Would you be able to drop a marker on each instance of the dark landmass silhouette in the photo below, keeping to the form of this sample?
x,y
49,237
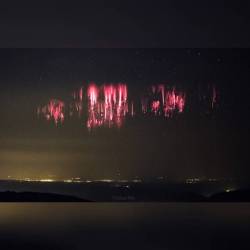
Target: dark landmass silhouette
x,y
171,196
232,196
241,195
10,196
184,197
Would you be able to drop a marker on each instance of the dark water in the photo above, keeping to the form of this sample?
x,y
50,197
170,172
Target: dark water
x,y
124,226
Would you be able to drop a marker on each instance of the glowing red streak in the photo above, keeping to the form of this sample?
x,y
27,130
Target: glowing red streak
x,y
214,97
164,101
93,106
56,110
180,102
155,106
109,102
109,108
53,110
115,104
144,105
132,109
161,89
173,101
80,94
153,89
92,94
77,104
108,105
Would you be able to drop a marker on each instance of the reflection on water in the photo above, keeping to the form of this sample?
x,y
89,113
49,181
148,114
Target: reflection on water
x,y
124,226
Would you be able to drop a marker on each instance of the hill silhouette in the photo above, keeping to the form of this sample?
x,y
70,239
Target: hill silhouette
x,y
232,196
10,196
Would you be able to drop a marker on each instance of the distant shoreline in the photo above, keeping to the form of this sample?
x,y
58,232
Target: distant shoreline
x,y
11,196
234,196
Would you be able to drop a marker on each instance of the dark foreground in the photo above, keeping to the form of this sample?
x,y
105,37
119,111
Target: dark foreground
x,y
11,196
170,196
125,226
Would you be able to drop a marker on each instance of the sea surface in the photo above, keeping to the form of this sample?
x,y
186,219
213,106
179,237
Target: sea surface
x,y
124,226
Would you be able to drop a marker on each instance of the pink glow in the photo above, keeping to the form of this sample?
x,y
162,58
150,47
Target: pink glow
x,y
110,108
153,89
164,101
174,101
132,109
180,102
77,104
81,93
53,110
93,106
161,89
144,105
214,97
109,105
92,94
155,107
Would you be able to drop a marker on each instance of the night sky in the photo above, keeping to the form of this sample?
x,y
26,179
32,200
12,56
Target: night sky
x,y
167,24
190,45
200,142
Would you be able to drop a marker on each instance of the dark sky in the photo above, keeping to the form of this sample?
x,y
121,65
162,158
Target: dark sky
x,y
139,25
199,142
